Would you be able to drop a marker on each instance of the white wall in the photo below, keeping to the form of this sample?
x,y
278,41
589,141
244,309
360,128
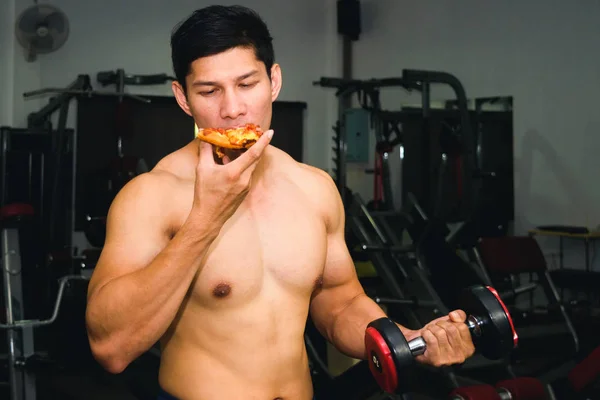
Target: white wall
x,y
539,52
135,35
7,12
21,76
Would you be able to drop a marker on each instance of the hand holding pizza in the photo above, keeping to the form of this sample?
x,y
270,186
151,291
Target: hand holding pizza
x,y
220,189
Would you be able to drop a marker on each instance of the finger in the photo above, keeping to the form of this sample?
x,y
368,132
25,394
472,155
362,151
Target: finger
x,y
431,342
458,316
205,153
444,348
226,160
439,319
457,344
437,347
467,339
252,155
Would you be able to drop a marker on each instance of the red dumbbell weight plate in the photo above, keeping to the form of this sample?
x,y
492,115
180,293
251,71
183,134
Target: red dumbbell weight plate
x,y
388,353
380,361
497,336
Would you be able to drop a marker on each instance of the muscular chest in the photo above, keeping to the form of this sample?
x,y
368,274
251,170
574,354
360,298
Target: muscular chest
x,y
274,242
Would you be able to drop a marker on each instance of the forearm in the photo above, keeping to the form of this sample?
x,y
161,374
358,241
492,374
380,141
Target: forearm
x,y
349,326
127,315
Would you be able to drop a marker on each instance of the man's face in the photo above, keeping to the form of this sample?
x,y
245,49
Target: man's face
x,y
230,89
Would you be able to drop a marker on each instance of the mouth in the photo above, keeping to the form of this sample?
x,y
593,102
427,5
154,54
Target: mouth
x,y
236,125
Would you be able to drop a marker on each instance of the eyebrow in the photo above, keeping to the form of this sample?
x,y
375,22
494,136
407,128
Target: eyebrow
x,y
239,78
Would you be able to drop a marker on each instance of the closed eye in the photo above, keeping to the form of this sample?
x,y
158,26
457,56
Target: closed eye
x,y
207,92
248,85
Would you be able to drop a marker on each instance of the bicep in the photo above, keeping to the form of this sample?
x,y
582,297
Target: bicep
x,y
135,233
340,280
340,284
339,271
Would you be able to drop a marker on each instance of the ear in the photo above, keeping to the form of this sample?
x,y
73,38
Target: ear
x,y
181,97
276,81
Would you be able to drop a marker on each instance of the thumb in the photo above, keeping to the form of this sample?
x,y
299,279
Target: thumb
x,y
457,316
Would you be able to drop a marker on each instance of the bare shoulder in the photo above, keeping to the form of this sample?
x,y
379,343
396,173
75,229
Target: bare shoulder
x,y
156,187
312,180
319,189
317,181
151,195
144,190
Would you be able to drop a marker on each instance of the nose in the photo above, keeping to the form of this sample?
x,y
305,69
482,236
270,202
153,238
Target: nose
x,y
232,106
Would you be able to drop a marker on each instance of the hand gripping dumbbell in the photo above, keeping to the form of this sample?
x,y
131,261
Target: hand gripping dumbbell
x,y
488,319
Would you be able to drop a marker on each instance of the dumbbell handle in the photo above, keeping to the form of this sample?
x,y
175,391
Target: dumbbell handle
x,y
418,346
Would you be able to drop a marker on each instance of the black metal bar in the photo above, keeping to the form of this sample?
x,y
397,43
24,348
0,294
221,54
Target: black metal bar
x,y
56,176
383,270
509,294
365,212
341,150
391,249
552,294
435,77
407,302
357,84
38,118
106,78
425,159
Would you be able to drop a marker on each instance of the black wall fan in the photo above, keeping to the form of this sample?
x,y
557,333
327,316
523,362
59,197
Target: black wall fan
x,y
41,29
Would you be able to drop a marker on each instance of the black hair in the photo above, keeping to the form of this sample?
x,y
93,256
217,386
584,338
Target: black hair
x,y
215,29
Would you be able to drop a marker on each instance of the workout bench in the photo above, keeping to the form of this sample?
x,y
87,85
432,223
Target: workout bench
x,y
580,383
503,258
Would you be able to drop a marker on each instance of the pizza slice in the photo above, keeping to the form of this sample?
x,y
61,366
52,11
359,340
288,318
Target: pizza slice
x,y
241,137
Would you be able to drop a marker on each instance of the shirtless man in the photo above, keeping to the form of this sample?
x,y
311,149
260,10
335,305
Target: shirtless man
x,y
224,263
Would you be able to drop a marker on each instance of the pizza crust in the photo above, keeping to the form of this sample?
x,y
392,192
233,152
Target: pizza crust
x,y
242,137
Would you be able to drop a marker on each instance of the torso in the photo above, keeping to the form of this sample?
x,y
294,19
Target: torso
x,y
239,332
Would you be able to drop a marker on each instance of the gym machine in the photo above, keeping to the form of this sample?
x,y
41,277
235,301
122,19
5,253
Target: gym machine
x,y
422,280
384,122
22,358
387,123
121,168
407,289
48,188
463,207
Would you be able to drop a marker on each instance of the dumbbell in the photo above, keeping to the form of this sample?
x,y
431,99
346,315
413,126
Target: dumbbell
x,y
488,319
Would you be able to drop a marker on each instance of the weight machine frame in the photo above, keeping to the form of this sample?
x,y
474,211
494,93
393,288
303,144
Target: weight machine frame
x,y
20,331
409,290
80,87
368,93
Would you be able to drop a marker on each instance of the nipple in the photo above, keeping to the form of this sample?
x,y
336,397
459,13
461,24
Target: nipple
x,y
221,290
318,282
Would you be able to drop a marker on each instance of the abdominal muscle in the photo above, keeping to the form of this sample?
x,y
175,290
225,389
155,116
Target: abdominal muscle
x,y
249,353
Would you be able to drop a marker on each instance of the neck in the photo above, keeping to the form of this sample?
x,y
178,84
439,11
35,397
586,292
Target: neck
x,y
264,162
